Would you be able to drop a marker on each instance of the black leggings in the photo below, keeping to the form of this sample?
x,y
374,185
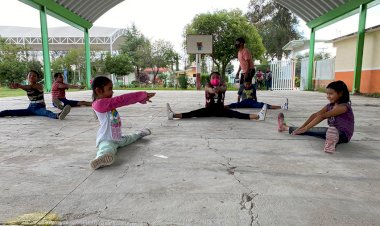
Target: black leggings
x,y
217,112
320,132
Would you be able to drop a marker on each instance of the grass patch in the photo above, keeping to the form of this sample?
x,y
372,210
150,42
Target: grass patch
x,y
374,95
7,92
321,89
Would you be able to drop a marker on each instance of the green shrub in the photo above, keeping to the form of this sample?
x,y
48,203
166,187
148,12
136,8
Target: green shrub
x,y
134,84
205,78
182,80
297,81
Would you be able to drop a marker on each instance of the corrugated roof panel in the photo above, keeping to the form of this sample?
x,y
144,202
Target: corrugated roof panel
x,y
89,10
66,31
309,10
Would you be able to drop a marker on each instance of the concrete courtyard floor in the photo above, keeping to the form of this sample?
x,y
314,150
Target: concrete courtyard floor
x,y
205,171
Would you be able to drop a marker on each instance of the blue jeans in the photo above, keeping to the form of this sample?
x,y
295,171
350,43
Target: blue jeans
x,y
268,84
320,132
33,109
248,103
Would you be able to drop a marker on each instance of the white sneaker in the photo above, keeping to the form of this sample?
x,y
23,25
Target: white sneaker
x,y
262,114
285,106
169,112
145,132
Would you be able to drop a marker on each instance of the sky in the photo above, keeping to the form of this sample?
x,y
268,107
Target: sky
x,y
166,19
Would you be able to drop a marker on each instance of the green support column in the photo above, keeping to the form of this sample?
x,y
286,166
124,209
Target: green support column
x,y
45,48
359,49
88,57
310,68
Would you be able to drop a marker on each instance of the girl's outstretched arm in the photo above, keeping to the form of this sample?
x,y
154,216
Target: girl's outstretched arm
x,y
312,117
26,87
108,104
322,115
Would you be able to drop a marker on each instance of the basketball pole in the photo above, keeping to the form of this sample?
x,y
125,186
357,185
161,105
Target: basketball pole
x,y
197,71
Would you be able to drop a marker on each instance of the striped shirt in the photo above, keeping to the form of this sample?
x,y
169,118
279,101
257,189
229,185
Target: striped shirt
x,y
57,92
35,95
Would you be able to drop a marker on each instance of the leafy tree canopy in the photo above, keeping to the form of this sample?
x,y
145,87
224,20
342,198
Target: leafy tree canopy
x,y
13,63
225,27
163,55
276,25
119,64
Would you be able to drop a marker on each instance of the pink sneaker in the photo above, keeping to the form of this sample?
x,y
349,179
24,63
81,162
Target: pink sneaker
x,y
332,138
280,122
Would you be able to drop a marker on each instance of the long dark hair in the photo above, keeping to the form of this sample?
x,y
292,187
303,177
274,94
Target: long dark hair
x,y
215,73
34,72
99,82
56,75
340,87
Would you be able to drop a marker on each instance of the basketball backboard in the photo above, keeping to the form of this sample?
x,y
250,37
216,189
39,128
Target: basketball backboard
x,y
199,44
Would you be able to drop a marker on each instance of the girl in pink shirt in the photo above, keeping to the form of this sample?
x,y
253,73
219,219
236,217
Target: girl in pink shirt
x,y
109,136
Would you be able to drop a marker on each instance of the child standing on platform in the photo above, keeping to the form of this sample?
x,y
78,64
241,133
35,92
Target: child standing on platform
x,y
37,106
109,137
58,93
338,113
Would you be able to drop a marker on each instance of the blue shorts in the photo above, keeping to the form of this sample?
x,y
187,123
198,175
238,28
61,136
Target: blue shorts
x,y
72,103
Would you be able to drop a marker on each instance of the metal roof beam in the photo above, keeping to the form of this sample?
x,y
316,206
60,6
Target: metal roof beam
x,y
336,14
60,12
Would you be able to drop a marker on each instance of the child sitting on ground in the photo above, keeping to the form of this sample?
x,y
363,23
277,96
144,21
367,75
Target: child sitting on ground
x,y
215,92
109,137
338,113
58,93
247,94
37,106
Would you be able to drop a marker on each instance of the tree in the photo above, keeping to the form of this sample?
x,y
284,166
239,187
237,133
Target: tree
x,y
137,47
35,65
276,25
225,27
119,64
13,63
144,54
163,55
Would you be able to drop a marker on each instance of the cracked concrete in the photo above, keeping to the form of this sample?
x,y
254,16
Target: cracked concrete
x,y
218,171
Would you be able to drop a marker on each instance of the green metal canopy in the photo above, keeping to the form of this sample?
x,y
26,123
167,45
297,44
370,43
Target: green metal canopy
x,y
320,13
78,13
316,13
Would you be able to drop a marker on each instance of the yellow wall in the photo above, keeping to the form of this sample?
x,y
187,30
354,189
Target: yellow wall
x,y
345,54
345,62
371,54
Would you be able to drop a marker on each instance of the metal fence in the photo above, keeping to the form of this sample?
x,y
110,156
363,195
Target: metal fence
x,y
325,69
283,74
304,78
